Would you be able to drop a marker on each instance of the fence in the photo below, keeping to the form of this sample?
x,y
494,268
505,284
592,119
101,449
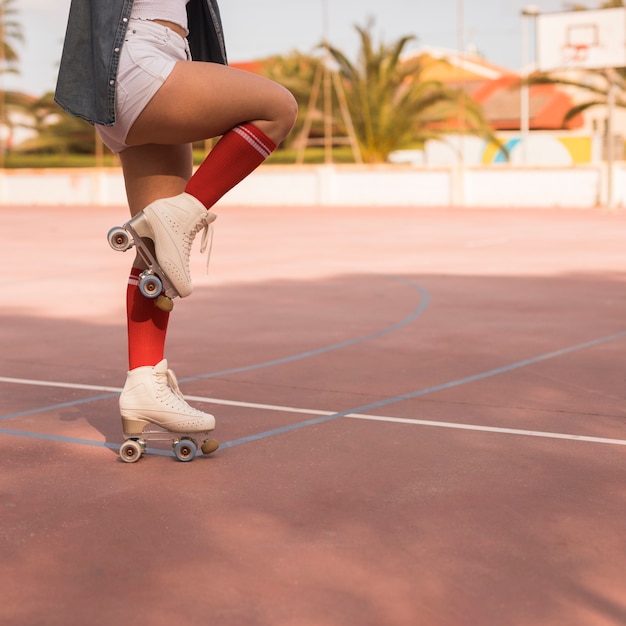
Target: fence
x,y
340,185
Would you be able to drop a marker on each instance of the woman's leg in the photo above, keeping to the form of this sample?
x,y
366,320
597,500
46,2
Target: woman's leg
x,y
151,172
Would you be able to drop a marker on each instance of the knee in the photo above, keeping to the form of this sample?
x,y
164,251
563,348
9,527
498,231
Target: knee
x,y
288,114
280,114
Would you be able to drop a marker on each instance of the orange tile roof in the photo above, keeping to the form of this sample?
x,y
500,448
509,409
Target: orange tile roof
x,y
498,91
501,102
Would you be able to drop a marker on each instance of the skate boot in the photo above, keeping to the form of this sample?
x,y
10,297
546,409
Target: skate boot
x,y
151,397
172,224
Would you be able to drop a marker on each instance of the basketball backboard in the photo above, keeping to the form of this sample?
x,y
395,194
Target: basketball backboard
x,y
581,39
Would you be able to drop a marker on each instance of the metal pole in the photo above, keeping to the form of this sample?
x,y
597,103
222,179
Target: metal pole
x,y
527,13
610,144
459,196
524,95
2,90
460,50
327,88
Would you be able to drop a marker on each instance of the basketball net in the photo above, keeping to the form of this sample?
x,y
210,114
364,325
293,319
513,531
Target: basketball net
x,y
575,53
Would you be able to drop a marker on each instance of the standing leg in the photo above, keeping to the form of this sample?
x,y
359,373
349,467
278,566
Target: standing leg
x,y
154,171
151,393
150,172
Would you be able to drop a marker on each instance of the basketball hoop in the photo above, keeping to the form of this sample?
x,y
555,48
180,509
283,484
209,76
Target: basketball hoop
x,y
581,39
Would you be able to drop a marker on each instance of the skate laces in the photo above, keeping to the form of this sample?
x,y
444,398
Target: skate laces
x,y
204,224
173,384
170,393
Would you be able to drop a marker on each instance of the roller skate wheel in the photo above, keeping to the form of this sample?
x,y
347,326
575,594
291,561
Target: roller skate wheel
x,y
209,446
185,450
164,303
119,239
150,285
131,451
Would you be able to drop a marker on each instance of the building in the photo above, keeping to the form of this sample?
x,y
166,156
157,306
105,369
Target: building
x,y
552,140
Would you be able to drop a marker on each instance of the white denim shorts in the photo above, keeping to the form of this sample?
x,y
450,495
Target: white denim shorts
x,y
148,56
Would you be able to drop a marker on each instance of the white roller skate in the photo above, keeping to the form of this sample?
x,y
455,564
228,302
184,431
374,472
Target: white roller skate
x,y
172,224
151,397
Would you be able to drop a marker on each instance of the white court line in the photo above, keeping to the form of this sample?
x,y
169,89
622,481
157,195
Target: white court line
x,y
376,418
492,429
416,422
48,383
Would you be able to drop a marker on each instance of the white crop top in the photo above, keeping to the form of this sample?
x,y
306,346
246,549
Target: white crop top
x,y
174,11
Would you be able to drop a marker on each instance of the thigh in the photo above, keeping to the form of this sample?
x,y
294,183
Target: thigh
x,y
204,100
155,171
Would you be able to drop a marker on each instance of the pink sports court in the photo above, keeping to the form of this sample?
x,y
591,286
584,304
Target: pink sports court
x,y
422,417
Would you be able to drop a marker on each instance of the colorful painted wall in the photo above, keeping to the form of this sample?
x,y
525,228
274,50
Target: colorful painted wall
x,y
542,150
549,148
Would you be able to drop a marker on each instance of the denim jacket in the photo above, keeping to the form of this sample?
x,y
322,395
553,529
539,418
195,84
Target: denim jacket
x,y
91,52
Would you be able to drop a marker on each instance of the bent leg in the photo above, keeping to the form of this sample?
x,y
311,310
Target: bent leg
x,y
203,100
200,101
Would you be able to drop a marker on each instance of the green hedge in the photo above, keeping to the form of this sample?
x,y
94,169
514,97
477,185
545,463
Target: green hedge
x,y
280,157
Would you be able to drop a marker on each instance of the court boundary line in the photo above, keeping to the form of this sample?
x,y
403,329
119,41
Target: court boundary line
x,y
358,412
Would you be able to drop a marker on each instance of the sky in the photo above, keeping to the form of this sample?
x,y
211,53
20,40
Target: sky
x,y
259,28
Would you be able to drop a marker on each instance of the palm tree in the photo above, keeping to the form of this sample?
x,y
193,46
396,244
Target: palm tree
x,y
393,106
10,33
57,132
16,109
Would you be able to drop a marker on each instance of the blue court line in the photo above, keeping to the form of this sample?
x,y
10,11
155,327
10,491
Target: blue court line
x,y
62,405
77,441
424,302
59,438
422,392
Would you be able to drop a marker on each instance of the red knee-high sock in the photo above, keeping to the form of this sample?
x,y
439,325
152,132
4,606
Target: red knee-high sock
x,y
238,153
147,326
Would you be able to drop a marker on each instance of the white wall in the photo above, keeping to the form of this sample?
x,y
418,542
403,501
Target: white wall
x,y
339,185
